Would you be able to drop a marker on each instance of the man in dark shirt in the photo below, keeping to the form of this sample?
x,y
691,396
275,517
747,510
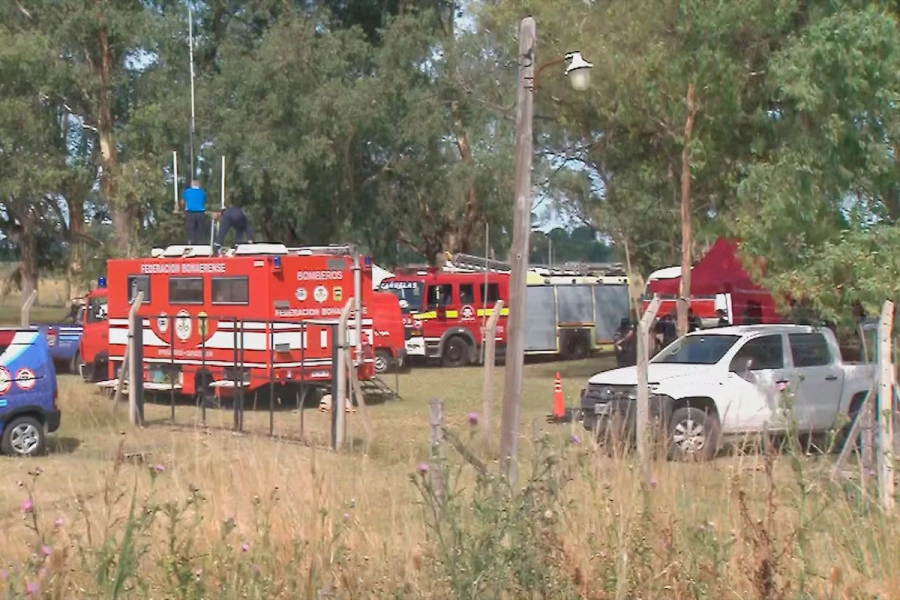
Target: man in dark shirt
x,y
233,217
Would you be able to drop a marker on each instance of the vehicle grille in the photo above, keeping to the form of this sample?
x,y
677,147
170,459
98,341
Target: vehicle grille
x,y
598,393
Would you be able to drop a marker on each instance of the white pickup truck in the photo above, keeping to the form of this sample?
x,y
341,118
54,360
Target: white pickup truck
x,y
734,381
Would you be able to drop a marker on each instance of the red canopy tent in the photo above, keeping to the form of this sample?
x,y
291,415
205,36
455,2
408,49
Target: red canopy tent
x,y
720,271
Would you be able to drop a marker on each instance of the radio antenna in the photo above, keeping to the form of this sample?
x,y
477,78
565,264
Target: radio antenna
x,y
191,55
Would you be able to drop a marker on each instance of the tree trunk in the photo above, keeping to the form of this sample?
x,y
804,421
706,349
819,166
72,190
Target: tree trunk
x,y
75,276
28,269
122,223
685,292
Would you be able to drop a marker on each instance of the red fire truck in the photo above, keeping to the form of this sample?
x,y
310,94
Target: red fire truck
x,y
446,308
204,329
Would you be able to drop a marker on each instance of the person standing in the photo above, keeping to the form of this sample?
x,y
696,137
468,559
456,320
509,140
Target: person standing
x,y
233,217
194,205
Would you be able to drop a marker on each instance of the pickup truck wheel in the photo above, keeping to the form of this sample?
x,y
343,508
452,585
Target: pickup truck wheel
x,y
693,434
23,437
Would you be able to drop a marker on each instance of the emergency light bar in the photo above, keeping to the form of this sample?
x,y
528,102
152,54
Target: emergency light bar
x,y
101,282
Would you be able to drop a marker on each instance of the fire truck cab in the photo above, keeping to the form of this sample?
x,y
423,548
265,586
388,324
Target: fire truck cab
x,y
263,313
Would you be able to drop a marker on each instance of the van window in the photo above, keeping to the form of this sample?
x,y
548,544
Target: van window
x,y
231,290
466,293
810,350
139,283
492,295
186,290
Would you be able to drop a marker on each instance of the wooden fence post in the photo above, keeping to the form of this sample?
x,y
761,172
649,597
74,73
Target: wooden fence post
x,y
339,393
26,309
436,420
884,415
136,367
124,369
490,358
643,389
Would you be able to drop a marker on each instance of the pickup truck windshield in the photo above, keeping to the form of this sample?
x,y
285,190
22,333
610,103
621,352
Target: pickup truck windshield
x,y
697,350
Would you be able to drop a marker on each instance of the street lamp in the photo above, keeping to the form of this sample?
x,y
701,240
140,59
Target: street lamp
x,y
578,72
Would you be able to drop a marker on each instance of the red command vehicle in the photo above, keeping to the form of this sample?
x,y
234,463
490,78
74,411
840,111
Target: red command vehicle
x,y
384,309
267,309
666,283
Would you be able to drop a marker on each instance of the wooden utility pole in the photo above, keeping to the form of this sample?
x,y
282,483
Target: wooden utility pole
x,y
515,344
684,296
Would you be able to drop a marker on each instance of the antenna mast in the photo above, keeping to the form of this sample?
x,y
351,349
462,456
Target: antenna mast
x,y
191,54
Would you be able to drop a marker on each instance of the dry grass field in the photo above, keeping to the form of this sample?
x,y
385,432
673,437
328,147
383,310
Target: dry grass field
x,y
177,510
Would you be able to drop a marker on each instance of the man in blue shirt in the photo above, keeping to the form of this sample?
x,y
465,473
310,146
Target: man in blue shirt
x,y
194,205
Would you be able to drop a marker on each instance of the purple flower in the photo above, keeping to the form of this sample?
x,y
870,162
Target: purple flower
x,y
473,419
28,506
782,386
59,522
346,516
198,573
33,588
4,576
576,439
423,468
245,547
653,482
46,551
159,468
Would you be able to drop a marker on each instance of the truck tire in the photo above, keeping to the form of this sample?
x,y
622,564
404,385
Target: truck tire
x,y
693,434
384,362
456,352
23,436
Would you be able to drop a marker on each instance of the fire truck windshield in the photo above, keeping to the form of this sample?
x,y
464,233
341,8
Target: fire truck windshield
x,y
410,293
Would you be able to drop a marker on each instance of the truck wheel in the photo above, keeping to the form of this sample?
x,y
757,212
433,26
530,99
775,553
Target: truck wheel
x,y
23,436
75,363
693,434
383,361
456,352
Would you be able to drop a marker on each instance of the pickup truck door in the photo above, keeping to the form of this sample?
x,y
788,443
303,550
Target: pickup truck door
x,y
818,380
752,385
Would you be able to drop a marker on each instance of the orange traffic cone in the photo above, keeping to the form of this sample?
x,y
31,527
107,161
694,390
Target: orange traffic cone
x,y
559,401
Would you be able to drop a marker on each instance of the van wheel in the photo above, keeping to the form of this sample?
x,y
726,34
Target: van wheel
x,y
23,437
456,352
693,434
383,361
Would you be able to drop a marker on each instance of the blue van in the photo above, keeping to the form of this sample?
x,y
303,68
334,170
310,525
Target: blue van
x,y
28,392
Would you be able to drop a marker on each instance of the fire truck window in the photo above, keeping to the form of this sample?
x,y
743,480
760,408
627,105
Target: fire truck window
x,y
185,290
97,310
493,293
139,283
230,290
440,295
467,293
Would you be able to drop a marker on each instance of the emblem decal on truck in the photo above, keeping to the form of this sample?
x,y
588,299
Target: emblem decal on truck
x,y
467,313
5,380
301,294
183,325
163,322
338,294
25,379
321,294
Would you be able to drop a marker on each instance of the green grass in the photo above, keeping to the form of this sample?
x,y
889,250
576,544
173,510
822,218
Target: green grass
x,y
166,510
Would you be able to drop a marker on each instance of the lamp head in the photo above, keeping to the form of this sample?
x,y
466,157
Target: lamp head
x,y
579,71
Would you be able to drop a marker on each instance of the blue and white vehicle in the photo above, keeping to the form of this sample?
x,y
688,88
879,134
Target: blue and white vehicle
x,y
64,338
28,392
